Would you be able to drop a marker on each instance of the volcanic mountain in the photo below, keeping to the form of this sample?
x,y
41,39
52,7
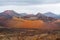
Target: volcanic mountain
x,y
7,15
21,23
11,19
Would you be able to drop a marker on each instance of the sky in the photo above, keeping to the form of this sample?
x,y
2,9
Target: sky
x,y
31,6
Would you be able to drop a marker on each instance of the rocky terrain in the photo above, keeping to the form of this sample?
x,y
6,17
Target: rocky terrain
x,y
15,26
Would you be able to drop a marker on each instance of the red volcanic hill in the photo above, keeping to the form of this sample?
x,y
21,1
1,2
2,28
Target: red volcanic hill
x,y
21,23
11,19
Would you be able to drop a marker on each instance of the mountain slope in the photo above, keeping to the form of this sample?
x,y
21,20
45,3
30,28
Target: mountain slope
x,y
21,23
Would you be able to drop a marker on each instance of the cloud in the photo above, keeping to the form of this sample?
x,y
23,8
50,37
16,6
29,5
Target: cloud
x,y
55,8
27,2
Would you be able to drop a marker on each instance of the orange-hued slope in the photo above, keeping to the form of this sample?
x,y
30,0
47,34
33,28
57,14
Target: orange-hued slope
x,y
21,23
16,22
57,23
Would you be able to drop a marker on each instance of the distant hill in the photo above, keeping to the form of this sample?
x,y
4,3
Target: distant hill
x,y
39,16
13,13
50,14
45,18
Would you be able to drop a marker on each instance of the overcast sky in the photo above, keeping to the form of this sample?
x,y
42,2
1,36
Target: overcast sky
x,y
27,2
31,6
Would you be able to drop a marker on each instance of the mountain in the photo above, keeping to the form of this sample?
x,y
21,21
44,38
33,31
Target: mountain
x,y
23,14
11,13
8,14
11,19
39,16
50,14
58,17
45,18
